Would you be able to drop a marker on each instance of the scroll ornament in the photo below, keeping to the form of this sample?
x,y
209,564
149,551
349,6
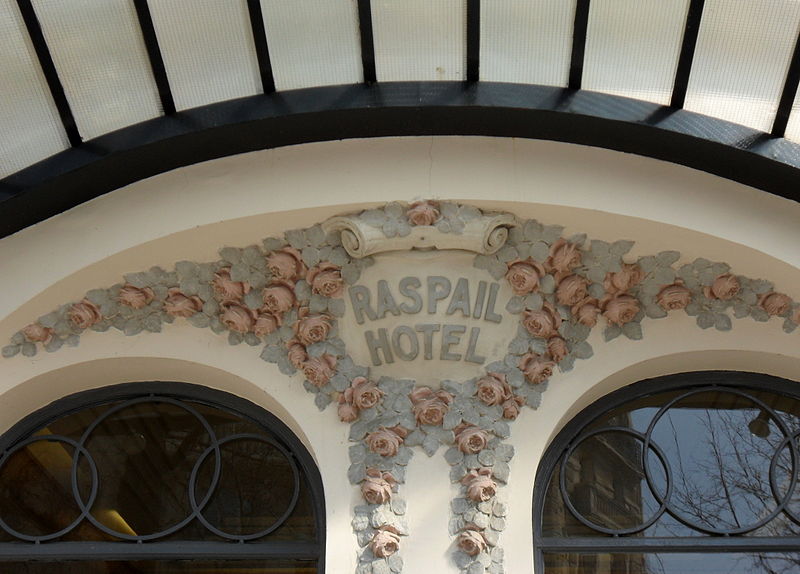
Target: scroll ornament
x,y
286,296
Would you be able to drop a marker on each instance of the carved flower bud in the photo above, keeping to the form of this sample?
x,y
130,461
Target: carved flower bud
x,y
796,316
278,297
471,542
512,406
37,333
265,324
586,311
386,441
471,439
312,329
430,406
422,213
542,322
724,287
326,279
674,297
620,309
286,264
365,394
385,542
227,289
319,370
571,290
346,411
237,317
479,483
177,304
84,314
493,389
523,276
377,488
537,369
135,297
296,353
564,257
775,303
626,278
557,348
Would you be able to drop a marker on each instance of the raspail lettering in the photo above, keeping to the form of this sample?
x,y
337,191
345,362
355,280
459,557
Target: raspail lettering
x,y
452,299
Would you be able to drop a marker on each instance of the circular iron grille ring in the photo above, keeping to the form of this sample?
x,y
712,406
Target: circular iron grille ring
x,y
198,508
782,502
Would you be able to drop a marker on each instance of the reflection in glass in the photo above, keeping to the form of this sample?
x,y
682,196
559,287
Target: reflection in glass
x,y
679,464
165,567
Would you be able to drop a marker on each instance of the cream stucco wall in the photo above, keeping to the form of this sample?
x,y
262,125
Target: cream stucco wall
x,y
191,212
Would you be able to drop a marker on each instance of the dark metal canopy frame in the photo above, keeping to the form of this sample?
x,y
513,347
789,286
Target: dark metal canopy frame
x,y
628,540
87,169
163,545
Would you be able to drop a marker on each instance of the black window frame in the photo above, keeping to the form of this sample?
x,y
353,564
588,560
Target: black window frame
x,y
172,550
573,432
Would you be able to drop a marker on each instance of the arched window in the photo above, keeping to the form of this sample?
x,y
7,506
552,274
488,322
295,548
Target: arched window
x,y
157,478
687,473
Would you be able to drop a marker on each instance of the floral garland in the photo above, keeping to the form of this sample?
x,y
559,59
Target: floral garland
x,y
287,295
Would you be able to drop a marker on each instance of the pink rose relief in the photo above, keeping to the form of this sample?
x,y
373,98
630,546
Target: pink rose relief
x,y
310,328
423,213
493,389
542,322
571,290
319,370
178,304
724,287
586,311
626,278
237,317
386,441
278,297
471,439
326,279
564,257
84,314
674,297
471,541
620,308
430,406
297,353
37,333
523,276
385,542
226,289
479,483
286,264
775,303
135,297
377,487
537,368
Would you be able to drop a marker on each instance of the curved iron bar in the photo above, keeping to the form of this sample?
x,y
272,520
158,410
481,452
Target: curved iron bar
x,y
243,537
84,509
645,447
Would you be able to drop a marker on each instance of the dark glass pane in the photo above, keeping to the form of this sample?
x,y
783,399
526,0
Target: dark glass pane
x,y
663,563
264,566
145,453
728,458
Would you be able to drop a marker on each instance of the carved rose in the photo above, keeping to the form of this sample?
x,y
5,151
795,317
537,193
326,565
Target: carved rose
x,y
227,289
278,297
378,486
312,328
237,317
724,287
363,393
586,311
297,353
37,333
537,369
479,483
775,303
265,324
523,276
135,297
796,315
319,370
471,542
422,213
179,305
626,278
542,322
493,389
557,348
286,264
386,441
571,290
620,309
674,297
512,406
84,314
564,257
471,439
326,279
430,406
347,412
385,542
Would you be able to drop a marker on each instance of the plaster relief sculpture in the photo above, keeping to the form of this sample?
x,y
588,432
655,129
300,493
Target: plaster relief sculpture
x,y
311,299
